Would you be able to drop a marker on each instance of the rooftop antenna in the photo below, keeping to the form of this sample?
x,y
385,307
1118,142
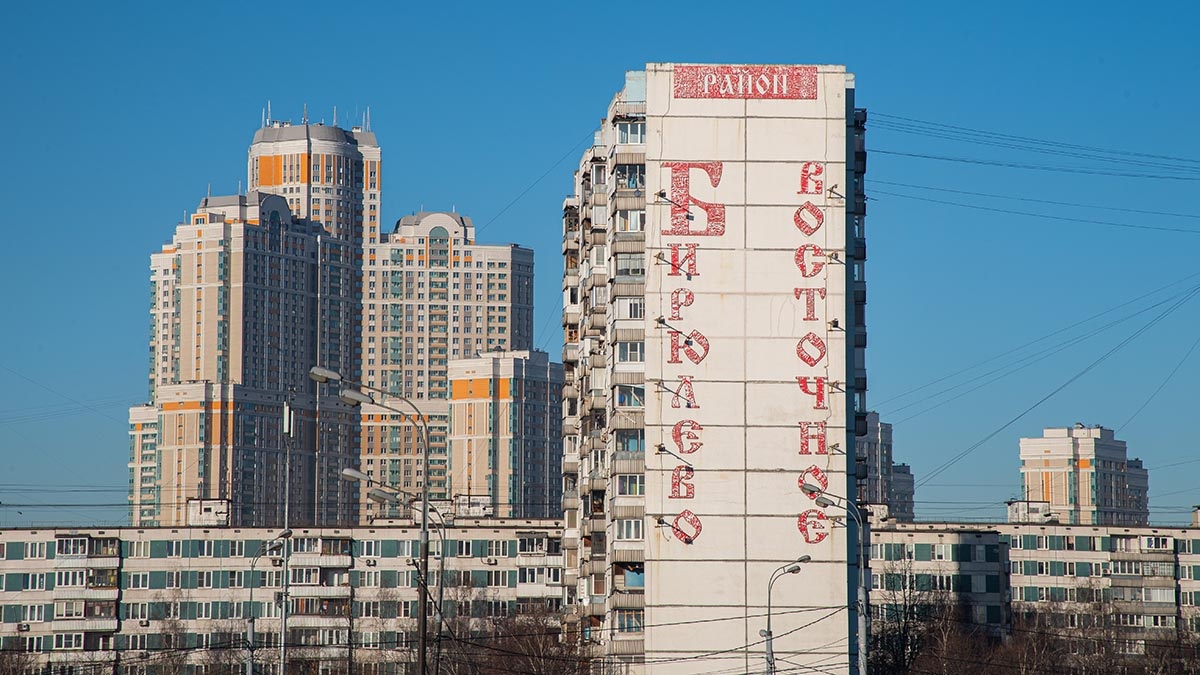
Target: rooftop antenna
x,y
268,111
239,187
368,124
305,113
264,117
335,115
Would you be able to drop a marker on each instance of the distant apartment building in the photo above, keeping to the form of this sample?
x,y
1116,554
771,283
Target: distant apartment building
x,y
1140,584
234,327
505,433
1085,476
432,295
883,482
903,491
178,600
328,175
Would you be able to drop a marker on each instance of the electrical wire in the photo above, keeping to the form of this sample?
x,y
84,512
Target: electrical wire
x,y
1150,324
1034,167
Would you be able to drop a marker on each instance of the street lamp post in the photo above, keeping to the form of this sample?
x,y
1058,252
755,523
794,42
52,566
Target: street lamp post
x,y
357,398
790,568
268,546
825,500
383,494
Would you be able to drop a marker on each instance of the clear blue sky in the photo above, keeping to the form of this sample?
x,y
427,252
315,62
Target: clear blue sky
x,y
119,116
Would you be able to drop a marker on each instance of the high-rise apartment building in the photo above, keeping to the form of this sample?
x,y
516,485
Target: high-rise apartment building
x,y
714,296
234,330
903,494
1085,475
505,433
885,482
432,294
328,175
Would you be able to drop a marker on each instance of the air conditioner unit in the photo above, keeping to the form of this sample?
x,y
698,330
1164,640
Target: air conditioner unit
x,y
491,561
144,623
23,627
372,562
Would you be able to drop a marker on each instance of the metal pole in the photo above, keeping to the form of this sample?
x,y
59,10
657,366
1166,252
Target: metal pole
x,y
283,609
250,621
770,646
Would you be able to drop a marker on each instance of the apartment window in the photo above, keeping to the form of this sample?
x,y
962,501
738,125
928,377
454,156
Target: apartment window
x,y
631,308
370,548
139,580
33,582
497,548
533,545
72,578
629,529
37,613
631,132
630,220
173,579
631,485
73,547
204,548
35,550
631,395
631,352
237,548
204,579
630,264
630,440
629,620
630,176
68,641
1156,543
497,578
67,609
139,549
174,549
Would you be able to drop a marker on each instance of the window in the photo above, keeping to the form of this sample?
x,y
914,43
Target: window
x,y
629,620
630,264
631,352
68,641
497,578
304,545
631,308
74,546
631,132
71,578
464,548
630,220
497,549
67,609
1156,543
306,576
630,176
631,395
631,440
172,579
35,549
139,549
33,582
204,548
941,552
237,548
174,549
141,610
139,580
629,485
370,549
33,643
629,529
37,613
204,579
531,545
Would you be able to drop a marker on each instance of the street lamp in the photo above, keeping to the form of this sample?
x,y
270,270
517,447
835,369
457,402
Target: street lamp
x,y
270,546
790,568
825,500
354,397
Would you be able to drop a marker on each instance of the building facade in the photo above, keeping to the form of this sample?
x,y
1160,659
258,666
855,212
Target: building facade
x,y
505,433
1133,585
432,294
678,334
234,329
1086,476
178,600
903,494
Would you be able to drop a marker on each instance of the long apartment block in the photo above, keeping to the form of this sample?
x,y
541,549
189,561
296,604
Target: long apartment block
x,y
180,598
1141,581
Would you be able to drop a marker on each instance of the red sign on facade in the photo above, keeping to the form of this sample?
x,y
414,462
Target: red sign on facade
x,y
765,82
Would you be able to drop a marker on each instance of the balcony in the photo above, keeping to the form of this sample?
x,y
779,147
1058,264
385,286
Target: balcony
x,y
98,625
310,621
318,560
79,563
627,600
82,593
319,591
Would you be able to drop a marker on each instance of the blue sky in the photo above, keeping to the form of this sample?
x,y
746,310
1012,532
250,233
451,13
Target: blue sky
x,y
119,117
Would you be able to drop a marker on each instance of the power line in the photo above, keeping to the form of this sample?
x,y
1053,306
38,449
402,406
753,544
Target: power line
x,y
1035,167
532,185
1161,384
1051,202
954,460
1046,216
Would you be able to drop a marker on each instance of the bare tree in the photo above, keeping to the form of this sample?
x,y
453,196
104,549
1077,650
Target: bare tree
x,y
17,661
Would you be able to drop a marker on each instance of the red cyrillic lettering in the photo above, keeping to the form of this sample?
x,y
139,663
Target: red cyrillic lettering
x,y
693,521
818,394
810,301
678,262
809,183
809,432
679,479
819,479
682,199
680,298
687,395
679,434
678,341
814,213
809,340
806,268
812,526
